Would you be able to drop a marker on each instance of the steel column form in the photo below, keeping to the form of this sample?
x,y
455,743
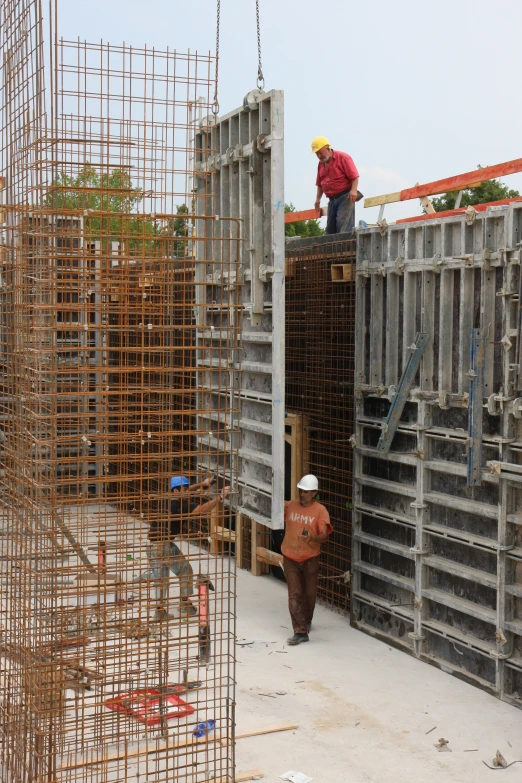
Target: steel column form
x,y
437,562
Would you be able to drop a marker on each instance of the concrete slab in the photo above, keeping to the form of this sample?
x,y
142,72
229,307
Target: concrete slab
x,y
364,709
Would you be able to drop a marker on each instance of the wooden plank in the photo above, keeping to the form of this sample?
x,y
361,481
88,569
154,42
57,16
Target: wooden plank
x,y
239,541
448,184
256,566
145,750
342,273
305,214
459,212
171,743
462,181
388,198
266,556
272,729
224,534
239,777
214,524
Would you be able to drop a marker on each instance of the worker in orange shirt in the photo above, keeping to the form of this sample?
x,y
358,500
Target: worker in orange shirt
x,y
338,179
307,526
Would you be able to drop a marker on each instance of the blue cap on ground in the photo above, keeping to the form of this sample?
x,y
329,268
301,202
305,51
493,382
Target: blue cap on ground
x,y
179,481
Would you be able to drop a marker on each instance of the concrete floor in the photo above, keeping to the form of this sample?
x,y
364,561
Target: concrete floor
x,y
363,708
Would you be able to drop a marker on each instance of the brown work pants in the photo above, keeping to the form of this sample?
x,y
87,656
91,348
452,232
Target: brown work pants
x,y
301,579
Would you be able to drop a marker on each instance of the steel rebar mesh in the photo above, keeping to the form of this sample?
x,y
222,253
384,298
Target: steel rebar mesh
x,y
107,341
320,322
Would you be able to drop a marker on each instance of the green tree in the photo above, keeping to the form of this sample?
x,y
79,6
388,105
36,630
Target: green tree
x,y
179,227
303,228
113,193
489,190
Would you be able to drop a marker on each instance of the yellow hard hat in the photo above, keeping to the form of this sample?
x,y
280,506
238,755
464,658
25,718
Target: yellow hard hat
x,y
319,142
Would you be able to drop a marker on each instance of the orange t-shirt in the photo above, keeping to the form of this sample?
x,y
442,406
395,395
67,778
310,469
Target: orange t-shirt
x,y
314,518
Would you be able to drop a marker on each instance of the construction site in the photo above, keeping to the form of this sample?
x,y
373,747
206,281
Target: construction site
x,y
167,353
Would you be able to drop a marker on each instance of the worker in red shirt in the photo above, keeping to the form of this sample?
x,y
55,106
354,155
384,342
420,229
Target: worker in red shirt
x,y
338,179
307,526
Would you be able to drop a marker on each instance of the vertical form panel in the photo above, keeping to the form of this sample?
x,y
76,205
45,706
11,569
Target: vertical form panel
x,y
446,337
436,564
467,287
392,332
408,314
376,331
488,305
248,173
428,326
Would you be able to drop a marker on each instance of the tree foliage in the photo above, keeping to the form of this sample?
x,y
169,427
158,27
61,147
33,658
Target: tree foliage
x,y
489,190
303,228
93,193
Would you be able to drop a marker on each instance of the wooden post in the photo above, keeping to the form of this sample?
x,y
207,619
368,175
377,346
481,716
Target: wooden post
x,y
257,568
239,540
214,524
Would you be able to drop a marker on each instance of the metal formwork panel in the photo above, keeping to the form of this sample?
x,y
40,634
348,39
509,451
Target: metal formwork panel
x,y
437,532
244,174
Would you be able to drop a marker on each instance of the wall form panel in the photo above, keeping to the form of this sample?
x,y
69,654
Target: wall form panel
x,y
246,180
437,527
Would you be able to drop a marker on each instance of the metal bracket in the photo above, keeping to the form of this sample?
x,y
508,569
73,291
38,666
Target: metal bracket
x,y
364,270
468,258
266,273
443,400
436,263
398,266
476,401
470,214
403,390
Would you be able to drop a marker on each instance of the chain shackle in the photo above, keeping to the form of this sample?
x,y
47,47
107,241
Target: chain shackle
x,y
260,77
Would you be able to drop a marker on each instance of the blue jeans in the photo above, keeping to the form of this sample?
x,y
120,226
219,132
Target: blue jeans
x,y
341,214
162,558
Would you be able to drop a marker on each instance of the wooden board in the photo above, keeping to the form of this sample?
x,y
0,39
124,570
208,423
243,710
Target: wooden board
x,y
272,729
171,743
449,184
266,556
239,777
305,214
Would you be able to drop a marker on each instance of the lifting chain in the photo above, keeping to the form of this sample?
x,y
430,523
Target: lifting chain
x,y
260,77
215,104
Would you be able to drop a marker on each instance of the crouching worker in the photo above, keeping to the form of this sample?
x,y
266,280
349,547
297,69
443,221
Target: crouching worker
x,y
164,553
307,526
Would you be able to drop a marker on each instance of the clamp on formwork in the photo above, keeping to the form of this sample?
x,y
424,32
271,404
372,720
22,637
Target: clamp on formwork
x,y
403,389
476,397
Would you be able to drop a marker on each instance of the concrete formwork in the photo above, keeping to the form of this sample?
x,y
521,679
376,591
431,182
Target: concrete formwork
x,y
245,178
437,552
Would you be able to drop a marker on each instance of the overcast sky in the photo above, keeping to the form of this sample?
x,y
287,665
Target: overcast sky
x,y
413,91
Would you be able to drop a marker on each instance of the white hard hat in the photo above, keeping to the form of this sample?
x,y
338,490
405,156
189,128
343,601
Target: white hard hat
x,y
309,483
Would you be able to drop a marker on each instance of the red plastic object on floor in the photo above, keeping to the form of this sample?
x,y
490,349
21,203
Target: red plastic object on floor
x,y
144,705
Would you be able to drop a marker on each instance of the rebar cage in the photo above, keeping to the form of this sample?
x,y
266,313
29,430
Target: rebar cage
x,y
108,667
320,325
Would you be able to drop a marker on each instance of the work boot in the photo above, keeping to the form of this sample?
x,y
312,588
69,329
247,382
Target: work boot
x,y
297,638
187,607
